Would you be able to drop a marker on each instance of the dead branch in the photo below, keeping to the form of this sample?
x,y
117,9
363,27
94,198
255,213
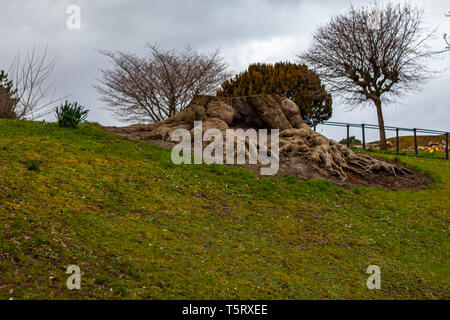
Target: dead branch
x,y
35,92
156,87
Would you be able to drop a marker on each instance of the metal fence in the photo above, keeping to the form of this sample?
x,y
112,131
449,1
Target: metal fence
x,y
363,127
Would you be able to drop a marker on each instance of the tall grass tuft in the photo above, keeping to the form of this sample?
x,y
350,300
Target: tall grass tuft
x,y
71,115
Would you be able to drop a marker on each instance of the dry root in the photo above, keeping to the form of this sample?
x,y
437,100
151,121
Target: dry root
x,y
331,158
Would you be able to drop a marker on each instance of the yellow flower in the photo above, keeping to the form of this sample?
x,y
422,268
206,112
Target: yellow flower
x,y
437,148
431,151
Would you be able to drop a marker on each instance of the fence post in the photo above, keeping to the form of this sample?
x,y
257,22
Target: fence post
x,y
314,127
348,135
415,141
398,147
446,146
363,136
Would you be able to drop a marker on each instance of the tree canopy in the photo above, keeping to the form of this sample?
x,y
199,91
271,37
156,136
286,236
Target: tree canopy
x,y
7,97
294,81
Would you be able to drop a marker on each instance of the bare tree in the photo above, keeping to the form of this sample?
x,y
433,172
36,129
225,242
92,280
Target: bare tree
x,y
157,86
34,91
445,35
373,54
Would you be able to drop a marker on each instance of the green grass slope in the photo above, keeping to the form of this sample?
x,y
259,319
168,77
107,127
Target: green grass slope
x,y
140,227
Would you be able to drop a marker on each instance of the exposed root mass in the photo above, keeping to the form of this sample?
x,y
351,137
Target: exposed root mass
x,y
322,156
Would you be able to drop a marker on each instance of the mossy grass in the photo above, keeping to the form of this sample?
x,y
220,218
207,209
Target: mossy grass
x,y
140,227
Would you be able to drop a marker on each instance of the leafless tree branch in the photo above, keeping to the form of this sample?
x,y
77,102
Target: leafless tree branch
x,y
35,92
373,54
447,41
155,87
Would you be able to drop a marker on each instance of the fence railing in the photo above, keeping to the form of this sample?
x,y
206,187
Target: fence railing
x,y
363,127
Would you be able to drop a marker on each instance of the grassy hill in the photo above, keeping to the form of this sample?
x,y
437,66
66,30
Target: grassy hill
x,y
406,145
140,227
406,142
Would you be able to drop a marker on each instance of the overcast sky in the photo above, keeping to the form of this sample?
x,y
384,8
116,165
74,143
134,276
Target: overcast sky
x,y
246,31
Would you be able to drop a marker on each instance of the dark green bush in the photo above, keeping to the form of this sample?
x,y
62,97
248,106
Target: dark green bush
x,y
352,139
8,99
70,115
295,81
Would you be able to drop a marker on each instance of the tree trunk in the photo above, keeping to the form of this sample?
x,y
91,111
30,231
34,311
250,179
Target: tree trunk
x,y
383,144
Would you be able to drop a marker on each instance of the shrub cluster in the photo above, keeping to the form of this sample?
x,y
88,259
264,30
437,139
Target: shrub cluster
x,y
71,114
8,100
352,139
294,81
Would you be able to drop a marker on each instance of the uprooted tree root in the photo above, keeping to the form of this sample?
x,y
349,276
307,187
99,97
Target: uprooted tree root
x,y
314,154
332,159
